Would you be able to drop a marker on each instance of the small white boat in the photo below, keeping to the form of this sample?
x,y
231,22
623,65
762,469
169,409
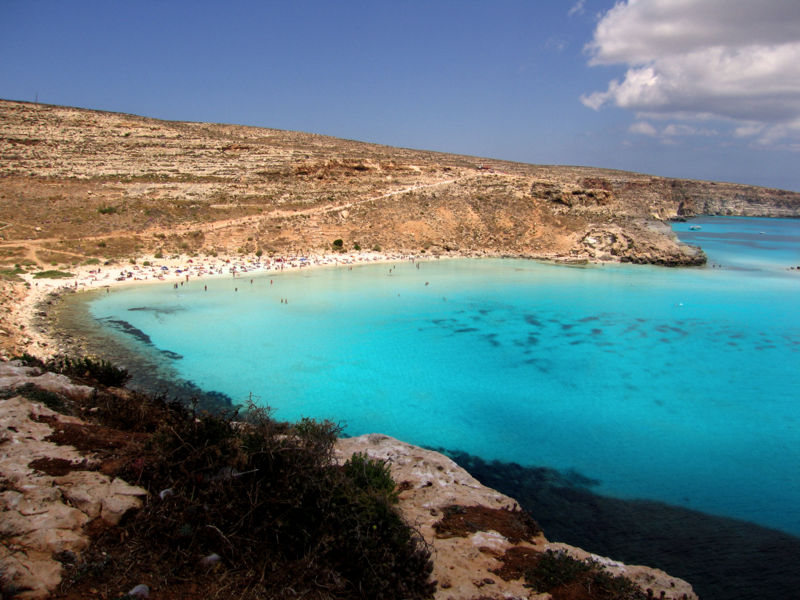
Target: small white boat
x,y
694,227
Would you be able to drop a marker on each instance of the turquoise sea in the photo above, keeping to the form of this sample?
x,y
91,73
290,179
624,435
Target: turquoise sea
x,y
675,385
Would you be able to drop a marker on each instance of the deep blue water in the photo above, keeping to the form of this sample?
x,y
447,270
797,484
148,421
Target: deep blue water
x,y
674,385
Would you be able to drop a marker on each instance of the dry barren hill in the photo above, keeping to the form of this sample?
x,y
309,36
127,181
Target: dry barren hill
x,y
79,184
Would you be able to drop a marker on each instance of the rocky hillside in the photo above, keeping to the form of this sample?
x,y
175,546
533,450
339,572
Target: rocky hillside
x,y
78,185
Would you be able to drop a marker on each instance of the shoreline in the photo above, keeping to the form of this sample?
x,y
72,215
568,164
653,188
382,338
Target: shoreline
x,y
41,341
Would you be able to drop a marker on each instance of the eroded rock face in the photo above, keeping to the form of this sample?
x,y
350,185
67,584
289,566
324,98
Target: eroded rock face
x,y
50,492
653,247
467,552
13,375
42,516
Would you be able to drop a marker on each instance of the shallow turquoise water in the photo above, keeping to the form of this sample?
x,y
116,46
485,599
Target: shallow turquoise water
x,y
675,385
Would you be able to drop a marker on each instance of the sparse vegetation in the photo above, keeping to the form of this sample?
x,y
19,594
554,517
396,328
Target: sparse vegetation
x,y
567,578
33,393
52,274
243,506
12,274
84,368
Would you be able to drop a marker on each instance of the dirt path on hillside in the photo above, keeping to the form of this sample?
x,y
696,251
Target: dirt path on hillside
x,y
32,246
317,210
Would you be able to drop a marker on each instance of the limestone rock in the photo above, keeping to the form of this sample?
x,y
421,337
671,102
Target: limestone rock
x,y
97,496
464,565
14,375
34,572
41,515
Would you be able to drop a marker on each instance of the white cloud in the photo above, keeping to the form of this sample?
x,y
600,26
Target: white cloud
x,y
670,132
636,31
748,130
556,44
643,128
577,8
682,129
704,59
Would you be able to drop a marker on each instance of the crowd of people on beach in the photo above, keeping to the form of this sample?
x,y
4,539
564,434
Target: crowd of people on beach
x,y
180,269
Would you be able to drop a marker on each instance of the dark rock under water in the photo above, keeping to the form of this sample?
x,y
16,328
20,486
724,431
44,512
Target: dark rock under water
x,y
723,558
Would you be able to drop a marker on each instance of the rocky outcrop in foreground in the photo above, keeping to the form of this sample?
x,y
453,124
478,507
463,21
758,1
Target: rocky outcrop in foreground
x,y
480,540
55,495
50,493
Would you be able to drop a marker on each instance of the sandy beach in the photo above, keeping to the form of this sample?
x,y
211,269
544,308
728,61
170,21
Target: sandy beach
x,y
176,270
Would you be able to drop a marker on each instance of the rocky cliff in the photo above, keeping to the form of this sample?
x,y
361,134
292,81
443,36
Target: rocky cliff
x,y
481,542
59,497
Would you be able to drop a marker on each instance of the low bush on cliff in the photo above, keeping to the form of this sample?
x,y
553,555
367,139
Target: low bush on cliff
x,y
83,368
273,502
35,394
566,578
99,370
247,507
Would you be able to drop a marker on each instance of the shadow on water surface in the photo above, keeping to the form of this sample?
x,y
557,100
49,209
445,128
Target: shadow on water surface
x,y
140,335
722,558
127,346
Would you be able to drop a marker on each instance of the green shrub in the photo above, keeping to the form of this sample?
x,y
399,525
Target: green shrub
x,y
373,476
33,393
52,274
338,244
98,370
560,574
12,274
108,210
269,498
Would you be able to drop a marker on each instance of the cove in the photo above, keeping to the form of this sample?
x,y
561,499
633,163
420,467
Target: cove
x,y
672,385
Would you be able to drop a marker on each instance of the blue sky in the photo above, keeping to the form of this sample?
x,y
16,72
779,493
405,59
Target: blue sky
x,y
707,89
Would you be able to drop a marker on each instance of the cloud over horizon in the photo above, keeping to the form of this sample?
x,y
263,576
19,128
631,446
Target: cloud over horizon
x,y
700,60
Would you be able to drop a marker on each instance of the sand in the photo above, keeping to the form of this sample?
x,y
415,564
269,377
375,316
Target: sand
x,y
175,269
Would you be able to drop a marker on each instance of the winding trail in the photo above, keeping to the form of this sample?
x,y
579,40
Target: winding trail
x,y
32,246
